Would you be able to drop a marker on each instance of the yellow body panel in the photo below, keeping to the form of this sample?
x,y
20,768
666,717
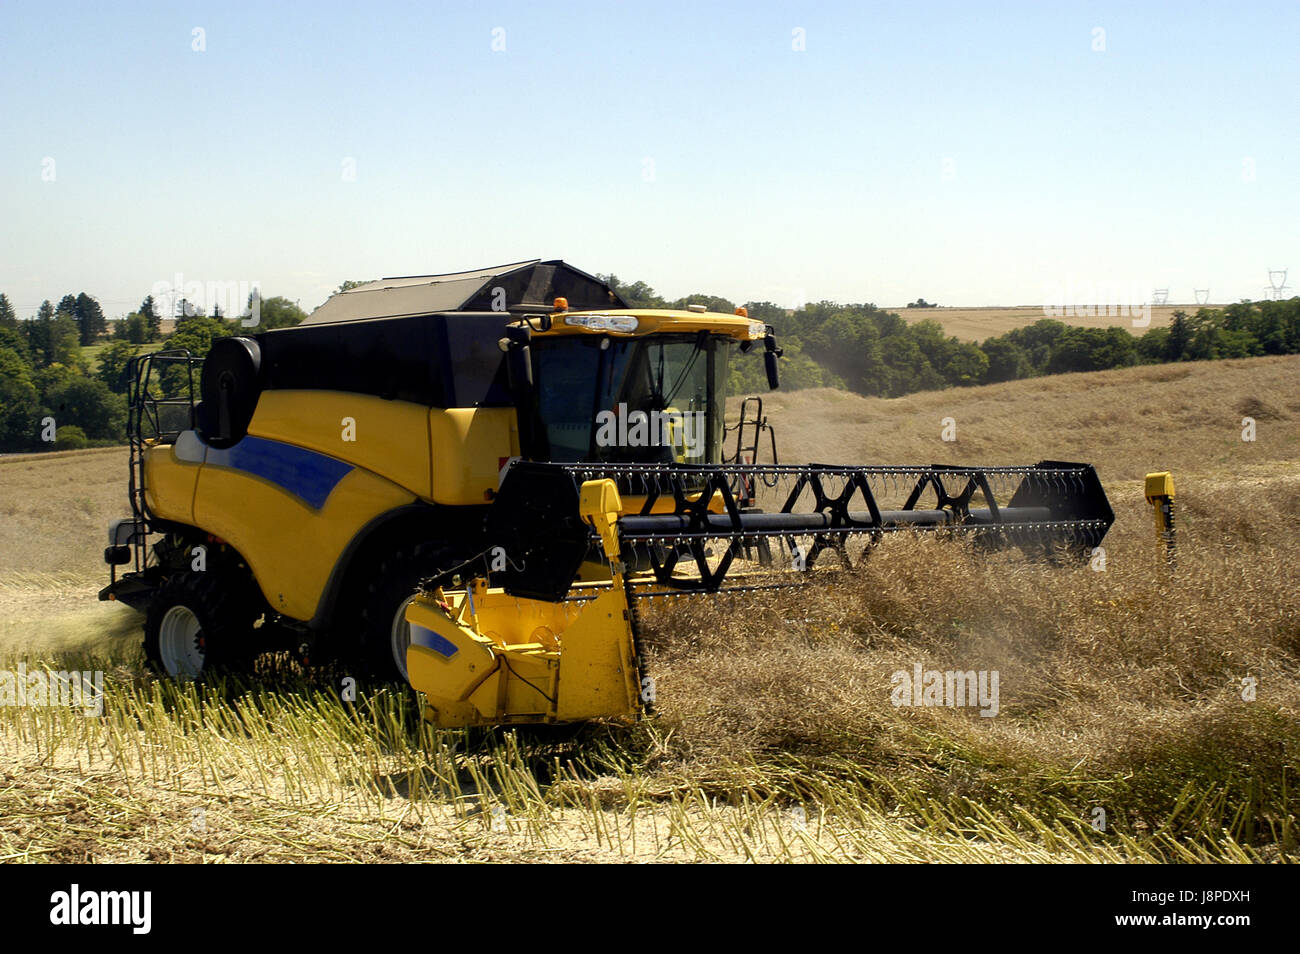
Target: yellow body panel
x,y
510,659
459,646
598,678
290,547
389,438
449,662
469,447
483,657
1159,490
1159,485
389,460
169,484
635,503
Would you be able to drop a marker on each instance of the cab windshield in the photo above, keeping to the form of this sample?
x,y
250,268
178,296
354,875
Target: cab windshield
x,y
655,399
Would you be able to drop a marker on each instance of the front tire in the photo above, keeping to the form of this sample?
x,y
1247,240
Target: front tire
x,y
385,634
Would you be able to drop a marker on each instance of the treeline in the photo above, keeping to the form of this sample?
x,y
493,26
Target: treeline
x,y
63,374
871,351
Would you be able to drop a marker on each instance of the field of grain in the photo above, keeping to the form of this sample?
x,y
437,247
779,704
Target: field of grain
x,y
977,324
1167,706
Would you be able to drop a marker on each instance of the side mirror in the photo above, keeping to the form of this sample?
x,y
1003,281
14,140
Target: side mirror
x,y
519,362
770,355
519,368
519,378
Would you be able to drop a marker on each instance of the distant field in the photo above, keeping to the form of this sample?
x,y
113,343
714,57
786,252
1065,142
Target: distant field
x,y
1183,417
976,324
91,353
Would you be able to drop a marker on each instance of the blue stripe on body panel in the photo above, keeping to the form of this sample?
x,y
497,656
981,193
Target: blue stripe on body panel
x,y
306,474
423,636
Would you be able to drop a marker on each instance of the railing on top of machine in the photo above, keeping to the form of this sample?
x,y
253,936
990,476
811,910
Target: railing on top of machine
x,y
160,404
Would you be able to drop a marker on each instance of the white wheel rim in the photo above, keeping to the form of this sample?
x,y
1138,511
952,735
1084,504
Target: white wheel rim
x,y
400,635
179,645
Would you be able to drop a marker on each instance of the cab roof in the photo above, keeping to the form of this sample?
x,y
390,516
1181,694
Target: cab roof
x,y
533,284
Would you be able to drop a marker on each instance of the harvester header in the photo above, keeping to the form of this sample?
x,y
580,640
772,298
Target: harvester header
x,y
691,530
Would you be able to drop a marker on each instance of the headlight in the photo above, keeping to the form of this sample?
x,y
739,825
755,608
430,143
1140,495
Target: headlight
x,y
623,323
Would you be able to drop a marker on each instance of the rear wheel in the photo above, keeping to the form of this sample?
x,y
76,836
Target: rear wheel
x,y
180,641
197,621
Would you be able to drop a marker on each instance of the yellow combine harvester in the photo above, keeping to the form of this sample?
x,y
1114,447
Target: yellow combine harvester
x,y
470,480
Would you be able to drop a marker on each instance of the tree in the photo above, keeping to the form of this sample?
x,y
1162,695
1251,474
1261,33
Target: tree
x,y
151,312
1007,361
186,309
710,302
69,437
1276,325
197,334
1115,348
53,336
797,369
746,374
1215,334
641,295
1238,344
1153,345
636,294
1092,349
802,320
966,364
90,319
1180,336
113,365
53,377
766,312
39,331
279,312
848,344
910,369
8,319
89,404
1071,352
19,401
1037,340
937,347
16,341
350,284
133,328
66,341
889,323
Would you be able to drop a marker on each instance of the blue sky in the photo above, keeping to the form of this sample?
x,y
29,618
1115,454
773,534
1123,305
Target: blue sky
x,y
971,156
